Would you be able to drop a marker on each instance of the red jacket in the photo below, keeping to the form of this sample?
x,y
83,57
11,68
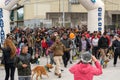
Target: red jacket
x,y
44,44
85,71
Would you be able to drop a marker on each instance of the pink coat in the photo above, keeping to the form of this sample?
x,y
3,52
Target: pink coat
x,y
85,71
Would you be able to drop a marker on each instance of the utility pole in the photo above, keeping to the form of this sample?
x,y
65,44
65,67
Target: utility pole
x,y
63,14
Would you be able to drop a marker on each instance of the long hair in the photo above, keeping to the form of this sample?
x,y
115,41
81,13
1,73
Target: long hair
x,y
10,44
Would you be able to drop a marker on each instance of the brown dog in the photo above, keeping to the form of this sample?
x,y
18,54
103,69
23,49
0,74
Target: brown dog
x,y
41,70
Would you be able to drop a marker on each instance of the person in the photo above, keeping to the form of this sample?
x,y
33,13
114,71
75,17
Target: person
x,y
50,53
72,37
30,44
23,64
85,45
9,53
67,42
84,70
116,46
58,49
22,42
103,45
44,46
95,46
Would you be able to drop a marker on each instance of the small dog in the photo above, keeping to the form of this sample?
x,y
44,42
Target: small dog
x,y
105,63
41,70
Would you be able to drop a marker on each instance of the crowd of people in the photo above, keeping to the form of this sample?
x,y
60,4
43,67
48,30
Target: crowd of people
x,y
61,44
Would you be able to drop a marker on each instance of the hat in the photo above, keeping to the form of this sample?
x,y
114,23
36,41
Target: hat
x,y
72,35
86,57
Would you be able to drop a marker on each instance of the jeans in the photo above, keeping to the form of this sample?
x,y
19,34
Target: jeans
x,y
51,58
66,58
24,78
95,52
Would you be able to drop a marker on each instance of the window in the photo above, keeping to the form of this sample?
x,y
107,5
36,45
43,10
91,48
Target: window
x,y
20,14
74,1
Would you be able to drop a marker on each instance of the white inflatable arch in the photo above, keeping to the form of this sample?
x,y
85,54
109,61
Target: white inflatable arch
x,y
5,7
95,15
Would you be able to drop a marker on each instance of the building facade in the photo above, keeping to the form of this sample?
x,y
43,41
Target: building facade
x,y
69,11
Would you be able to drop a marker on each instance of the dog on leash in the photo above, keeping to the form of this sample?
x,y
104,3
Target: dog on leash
x,y
41,70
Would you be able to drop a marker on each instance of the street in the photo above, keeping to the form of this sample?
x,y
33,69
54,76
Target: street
x,y
110,73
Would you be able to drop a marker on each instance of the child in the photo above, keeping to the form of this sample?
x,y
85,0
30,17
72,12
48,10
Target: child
x,y
84,70
23,63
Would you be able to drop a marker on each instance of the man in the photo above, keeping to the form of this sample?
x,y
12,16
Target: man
x,y
23,64
116,45
103,45
58,50
66,41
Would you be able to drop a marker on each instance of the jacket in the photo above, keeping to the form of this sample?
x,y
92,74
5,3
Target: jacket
x,y
44,44
66,42
24,59
58,49
103,43
88,46
116,46
6,56
85,71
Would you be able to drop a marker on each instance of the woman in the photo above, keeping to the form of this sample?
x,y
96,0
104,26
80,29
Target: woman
x,y
84,70
30,44
44,46
95,46
9,53
22,42
85,45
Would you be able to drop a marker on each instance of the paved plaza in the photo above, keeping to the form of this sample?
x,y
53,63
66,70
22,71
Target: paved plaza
x,y
110,73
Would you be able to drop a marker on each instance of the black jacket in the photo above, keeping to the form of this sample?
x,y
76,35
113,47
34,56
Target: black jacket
x,y
6,56
103,43
116,46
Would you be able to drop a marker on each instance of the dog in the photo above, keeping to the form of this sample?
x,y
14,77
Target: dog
x,y
41,70
105,62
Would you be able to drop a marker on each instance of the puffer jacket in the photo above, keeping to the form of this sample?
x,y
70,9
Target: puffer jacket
x,y
24,59
85,71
